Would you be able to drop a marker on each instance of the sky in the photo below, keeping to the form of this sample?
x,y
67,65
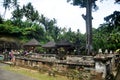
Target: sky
x,y
67,15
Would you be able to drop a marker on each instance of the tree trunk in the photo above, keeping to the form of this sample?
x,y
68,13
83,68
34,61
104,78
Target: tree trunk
x,y
89,27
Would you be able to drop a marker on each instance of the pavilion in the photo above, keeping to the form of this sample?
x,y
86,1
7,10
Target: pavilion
x,y
7,42
32,44
50,47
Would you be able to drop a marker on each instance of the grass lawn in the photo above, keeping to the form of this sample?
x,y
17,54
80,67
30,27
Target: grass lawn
x,y
33,73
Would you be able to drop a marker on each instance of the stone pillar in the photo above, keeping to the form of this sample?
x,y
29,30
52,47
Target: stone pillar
x,y
102,64
101,68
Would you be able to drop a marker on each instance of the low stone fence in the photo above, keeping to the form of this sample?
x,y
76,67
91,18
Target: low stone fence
x,y
53,65
31,62
50,65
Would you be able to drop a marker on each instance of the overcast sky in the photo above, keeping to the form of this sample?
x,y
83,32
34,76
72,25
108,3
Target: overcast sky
x,y
68,15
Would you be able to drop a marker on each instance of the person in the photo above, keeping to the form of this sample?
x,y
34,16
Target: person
x,y
12,57
25,53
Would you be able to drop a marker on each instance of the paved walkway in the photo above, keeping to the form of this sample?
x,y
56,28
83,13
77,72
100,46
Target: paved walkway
x,y
7,75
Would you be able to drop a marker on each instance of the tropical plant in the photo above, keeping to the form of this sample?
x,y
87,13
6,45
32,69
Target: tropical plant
x,y
30,13
7,4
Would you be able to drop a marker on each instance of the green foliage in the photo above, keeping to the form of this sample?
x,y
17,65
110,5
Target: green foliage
x,y
9,29
107,36
30,13
17,13
113,19
1,19
83,3
39,50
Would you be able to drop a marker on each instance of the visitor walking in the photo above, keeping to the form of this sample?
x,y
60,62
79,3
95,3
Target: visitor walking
x,y
12,57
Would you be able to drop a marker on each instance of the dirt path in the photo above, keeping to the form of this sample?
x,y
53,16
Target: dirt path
x,y
7,75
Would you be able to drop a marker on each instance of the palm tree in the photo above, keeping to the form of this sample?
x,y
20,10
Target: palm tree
x,y
30,13
7,4
17,16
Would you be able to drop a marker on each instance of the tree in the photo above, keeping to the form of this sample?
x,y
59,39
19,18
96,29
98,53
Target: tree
x,y
117,1
107,36
51,30
88,18
113,19
1,19
45,22
7,28
30,13
17,16
88,4
56,33
113,22
7,4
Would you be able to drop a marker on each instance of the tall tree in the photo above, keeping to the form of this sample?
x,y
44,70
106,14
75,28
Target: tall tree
x,y
30,13
88,4
17,16
7,4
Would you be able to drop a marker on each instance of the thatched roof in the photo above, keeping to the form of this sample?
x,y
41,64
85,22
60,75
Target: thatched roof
x,y
8,39
9,42
64,43
32,42
50,44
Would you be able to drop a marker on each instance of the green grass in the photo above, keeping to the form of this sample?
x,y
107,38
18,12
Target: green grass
x,y
33,73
